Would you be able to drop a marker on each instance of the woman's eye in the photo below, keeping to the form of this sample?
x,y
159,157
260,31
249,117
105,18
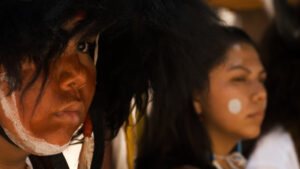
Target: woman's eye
x,y
262,80
239,79
86,47
83,47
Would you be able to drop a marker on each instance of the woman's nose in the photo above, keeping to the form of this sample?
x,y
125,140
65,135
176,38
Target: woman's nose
x,y
73,75
259,92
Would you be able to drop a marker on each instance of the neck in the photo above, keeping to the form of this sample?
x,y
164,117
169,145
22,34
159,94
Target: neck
x,y
222,143
11,157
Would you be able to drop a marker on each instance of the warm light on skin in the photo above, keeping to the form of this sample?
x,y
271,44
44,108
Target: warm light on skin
x,y
26,141
46,128
42,130
239,77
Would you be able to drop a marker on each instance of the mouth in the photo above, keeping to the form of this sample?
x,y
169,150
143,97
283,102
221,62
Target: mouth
x,y
70,114
257,115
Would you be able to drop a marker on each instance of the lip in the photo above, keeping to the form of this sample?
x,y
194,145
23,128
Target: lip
x,y
70,113
257,115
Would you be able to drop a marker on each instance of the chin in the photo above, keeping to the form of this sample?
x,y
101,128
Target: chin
x,y
61,136
251,133
59,139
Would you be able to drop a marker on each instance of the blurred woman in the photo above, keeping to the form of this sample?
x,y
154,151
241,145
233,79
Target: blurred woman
x,y
208,95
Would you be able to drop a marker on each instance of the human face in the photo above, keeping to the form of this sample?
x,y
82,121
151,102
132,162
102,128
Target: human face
x,y
45,125
236,98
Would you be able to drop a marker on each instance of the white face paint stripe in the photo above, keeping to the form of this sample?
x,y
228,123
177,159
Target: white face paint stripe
x,y
234,106
28,143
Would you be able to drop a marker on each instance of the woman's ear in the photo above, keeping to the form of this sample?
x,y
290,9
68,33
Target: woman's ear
x,y
197,107
197,104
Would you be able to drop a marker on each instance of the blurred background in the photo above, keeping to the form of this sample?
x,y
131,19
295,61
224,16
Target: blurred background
x,y
251,15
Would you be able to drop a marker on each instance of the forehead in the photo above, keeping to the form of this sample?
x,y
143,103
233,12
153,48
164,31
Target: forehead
x,y
242,54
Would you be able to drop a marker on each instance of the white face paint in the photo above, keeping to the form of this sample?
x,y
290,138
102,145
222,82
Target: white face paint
x,y
234,106
24,138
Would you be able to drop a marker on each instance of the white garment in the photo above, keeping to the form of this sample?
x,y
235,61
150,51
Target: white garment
x,y
71,155
119,151
275,150
28,163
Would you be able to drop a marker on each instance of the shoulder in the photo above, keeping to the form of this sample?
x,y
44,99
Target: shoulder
x,y
275,149
276,140
276,136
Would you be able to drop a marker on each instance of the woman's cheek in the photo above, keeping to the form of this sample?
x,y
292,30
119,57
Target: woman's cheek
x,y
234,106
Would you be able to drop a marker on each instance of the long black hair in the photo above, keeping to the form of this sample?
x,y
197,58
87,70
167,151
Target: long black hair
x,y
183,55
126,62
31,30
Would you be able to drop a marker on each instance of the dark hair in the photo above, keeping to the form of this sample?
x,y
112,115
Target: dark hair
x,y
184,53
31,31
126,62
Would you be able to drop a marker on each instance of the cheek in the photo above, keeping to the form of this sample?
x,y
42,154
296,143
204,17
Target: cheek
x,y
234,106
225,107
228,114
229,99
86,60
27,105
89,91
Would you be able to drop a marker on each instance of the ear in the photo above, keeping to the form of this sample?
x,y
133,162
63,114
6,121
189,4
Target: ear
x,y
197,104
197,107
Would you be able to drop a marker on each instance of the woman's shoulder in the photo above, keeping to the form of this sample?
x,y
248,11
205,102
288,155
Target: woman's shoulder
x,y
276,137
275,149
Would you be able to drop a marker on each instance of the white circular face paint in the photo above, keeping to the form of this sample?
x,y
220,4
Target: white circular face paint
x,y
234,106
23,138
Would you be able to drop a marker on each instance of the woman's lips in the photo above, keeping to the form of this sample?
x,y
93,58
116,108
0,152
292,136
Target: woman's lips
x,y
71,114
71,117
257,115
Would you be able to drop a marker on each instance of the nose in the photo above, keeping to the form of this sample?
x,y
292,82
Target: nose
x,y
73,75
259,93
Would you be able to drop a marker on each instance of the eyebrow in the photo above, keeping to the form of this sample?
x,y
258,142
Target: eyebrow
x,y
245,69
239,67
263,72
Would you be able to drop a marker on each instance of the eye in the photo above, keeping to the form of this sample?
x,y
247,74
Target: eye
x,y
83,47
86,47
262,80
239,79
263,77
